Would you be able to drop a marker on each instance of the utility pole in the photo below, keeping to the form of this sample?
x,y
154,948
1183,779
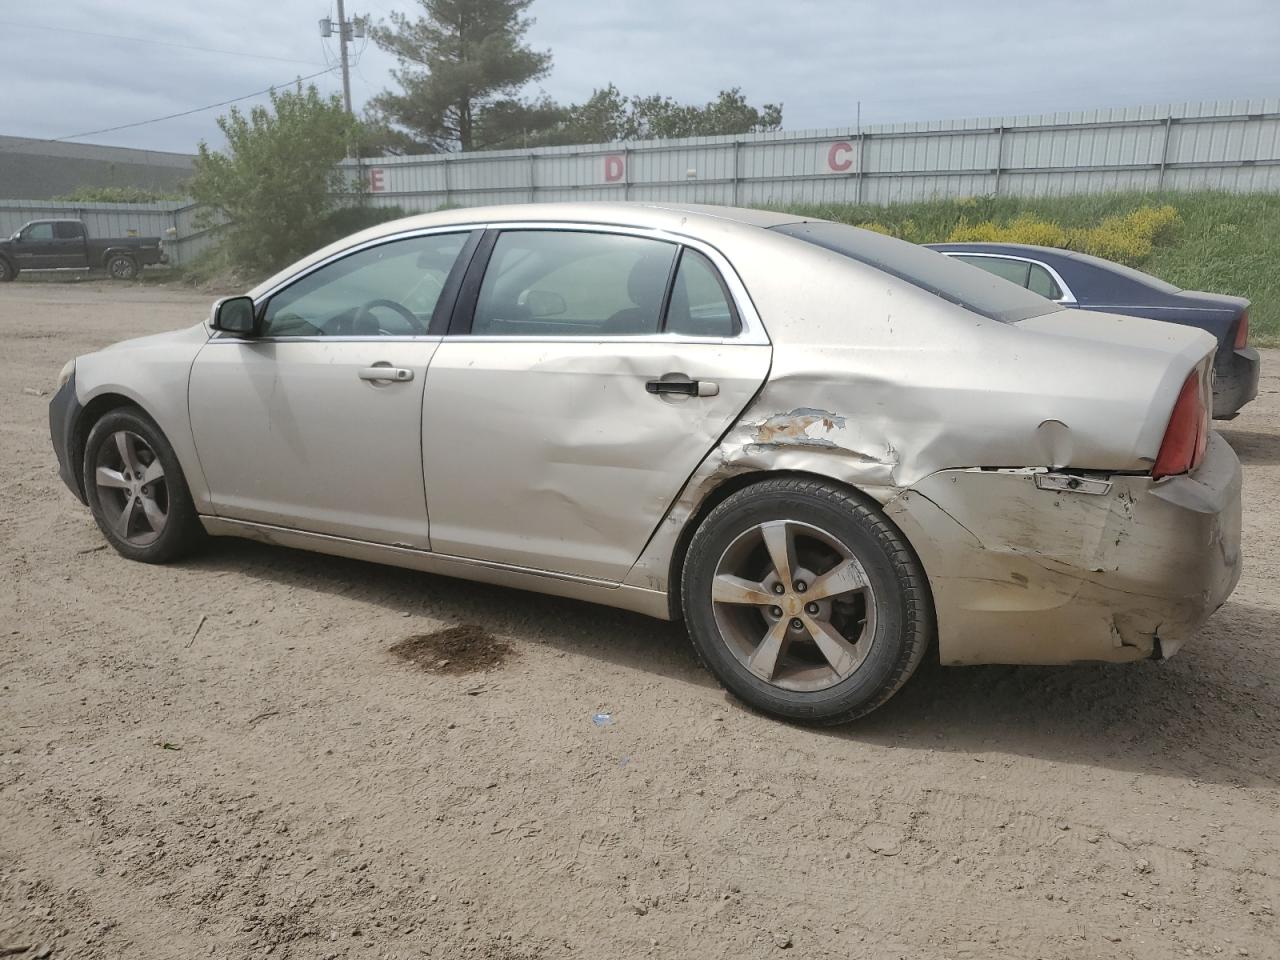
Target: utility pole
x,y
347,30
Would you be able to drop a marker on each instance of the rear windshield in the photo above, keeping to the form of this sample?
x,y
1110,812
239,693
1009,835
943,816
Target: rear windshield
x,y
975,290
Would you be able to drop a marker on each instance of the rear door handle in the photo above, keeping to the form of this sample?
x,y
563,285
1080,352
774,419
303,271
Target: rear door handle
x,y
384,372
681,385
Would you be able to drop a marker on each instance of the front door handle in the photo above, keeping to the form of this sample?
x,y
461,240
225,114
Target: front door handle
x,y
679,384
385,373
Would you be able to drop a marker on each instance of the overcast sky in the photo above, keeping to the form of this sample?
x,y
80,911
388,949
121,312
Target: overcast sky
x,y
905,60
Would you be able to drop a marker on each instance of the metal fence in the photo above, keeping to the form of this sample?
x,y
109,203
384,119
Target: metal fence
x,y
1225,145
177,221
1222,145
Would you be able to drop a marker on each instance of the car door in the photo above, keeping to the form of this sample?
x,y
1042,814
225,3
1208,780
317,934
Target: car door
x,y
35,247
588,372
315,424
68,245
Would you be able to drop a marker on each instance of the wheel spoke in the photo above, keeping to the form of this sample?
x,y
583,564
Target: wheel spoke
x,y
127,455
730,589
153,471
106,477
779,540
126,518
155,516
842,578
843,656
764,661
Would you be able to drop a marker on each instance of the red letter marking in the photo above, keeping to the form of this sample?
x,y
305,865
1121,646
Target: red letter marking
x,y
833,156
376,184
613,168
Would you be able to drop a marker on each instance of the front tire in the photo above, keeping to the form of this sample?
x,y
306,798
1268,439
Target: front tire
x,y
121,267
136,490
805,601
7,271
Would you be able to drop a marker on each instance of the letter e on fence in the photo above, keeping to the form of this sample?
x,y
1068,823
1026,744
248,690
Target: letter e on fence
x,y
614,168
838,160
376,181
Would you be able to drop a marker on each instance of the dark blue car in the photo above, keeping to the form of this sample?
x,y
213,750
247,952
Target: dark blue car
x,y
1091,283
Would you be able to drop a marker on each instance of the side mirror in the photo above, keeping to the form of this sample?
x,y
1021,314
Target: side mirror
x,y
234,315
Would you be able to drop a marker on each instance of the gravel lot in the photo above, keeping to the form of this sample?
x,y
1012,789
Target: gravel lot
x,y
284,783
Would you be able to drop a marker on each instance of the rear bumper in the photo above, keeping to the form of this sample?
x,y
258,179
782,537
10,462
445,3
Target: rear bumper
x,y
1235,382
1024,575
64,414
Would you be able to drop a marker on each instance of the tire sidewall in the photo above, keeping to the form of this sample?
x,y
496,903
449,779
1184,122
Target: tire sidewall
x,y
175,539
864,539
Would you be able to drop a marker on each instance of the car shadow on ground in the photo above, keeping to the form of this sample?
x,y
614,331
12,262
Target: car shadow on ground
x,y
1261,449
1211,713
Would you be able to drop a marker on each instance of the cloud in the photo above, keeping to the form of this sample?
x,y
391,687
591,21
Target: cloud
x,y
908,60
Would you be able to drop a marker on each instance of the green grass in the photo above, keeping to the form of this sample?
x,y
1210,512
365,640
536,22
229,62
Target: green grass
x,y
1224,242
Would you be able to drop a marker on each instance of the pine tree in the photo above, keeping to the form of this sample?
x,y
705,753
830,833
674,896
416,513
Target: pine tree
x,y
461,61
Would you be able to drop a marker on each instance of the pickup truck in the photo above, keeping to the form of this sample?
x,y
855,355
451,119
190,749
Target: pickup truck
x,y
66,245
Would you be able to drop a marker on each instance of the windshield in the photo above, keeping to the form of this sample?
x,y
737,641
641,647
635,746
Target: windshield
x,y
975,290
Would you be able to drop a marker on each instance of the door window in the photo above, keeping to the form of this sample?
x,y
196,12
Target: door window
x,y
1015,271
38,231
1041,281
700,305
388,290
569,283
67,230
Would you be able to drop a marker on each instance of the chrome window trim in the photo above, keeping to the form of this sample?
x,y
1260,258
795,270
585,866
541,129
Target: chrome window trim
x,y
1068,299
752,332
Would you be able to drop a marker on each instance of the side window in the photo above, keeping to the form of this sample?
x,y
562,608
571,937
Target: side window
x,y
67,230
1015,271
1042,282
572,284
389,290
38,231
700,304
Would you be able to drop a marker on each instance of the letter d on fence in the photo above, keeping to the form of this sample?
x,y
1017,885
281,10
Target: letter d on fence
x,y
614,168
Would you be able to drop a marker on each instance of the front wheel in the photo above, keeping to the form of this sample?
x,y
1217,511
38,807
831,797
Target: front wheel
x,y
805,602
7,270
136,490
122,268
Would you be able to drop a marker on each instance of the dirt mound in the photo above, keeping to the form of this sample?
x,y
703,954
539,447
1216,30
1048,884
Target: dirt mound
x,y
466,648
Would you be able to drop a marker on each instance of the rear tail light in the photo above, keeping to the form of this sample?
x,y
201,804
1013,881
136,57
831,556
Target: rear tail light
x,y
1187,435
1242,330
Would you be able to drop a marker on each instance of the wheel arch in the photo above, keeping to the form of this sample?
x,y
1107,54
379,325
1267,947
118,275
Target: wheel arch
x,y
91,413
730,485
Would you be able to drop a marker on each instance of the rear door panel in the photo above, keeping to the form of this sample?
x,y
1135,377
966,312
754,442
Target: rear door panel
x,y
552,454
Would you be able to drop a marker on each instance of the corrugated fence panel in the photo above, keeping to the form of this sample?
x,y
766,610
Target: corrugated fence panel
x,y
1225,145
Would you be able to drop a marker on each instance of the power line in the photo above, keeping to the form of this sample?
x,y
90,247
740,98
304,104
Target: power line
x,y
161,43
172,116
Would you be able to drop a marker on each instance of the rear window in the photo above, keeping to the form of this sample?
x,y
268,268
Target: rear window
x,y
974,290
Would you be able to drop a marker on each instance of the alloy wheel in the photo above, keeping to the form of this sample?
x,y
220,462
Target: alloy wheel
x,y
794,605
132,491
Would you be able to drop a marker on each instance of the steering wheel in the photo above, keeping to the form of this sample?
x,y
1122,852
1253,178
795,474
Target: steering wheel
x,y
365,314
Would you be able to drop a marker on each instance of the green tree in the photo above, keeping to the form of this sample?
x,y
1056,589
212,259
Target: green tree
x,y
461,69
608,116
274,183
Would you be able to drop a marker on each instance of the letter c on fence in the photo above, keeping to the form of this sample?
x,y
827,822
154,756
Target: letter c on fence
x,y
833,156
613,168
376,184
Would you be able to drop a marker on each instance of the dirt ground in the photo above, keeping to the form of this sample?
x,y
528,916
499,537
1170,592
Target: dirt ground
x,y
280,782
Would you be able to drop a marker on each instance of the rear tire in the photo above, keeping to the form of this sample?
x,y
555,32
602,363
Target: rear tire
x,y
833,636
136,490
121,267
